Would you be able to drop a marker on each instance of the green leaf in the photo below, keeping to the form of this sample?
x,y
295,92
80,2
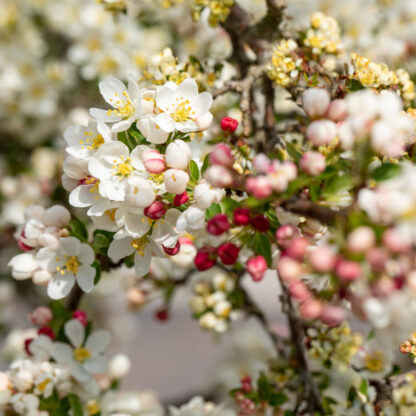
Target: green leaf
x,y
363,387
205,164
277,399
293,152
77,229
75,405
263,246
97,268
101,241
194,171
214,209
386,171
195,61
337,184
228,205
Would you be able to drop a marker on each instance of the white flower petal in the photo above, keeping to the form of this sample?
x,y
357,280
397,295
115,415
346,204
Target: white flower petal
x,y
85,278
96,365
98,342
75,332
119,249
60,285
62,353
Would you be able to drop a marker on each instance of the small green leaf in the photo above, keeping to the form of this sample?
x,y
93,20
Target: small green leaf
x,y
101,241
75,405
263,246
97,268
293,152
77,229
337,184
277,399
214,209
194,171
363,387
386,171
205,164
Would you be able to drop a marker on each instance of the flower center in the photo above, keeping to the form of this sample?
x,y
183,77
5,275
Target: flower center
x,y
374,361
123,168
111,213
43,384
90,142
124,106
81,354
157,178
71,265
139,244
182,112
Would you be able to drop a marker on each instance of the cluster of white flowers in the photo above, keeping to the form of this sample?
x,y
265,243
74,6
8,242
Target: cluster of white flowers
x,y
210,302
380,117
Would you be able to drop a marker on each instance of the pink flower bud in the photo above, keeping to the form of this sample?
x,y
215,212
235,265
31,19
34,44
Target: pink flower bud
x,y
41,316
221,155
406,347
297,248
155,210
396,242
228,253
22,245
246,385
361,239
377,258
218,176
256,267
347,270
172,251
45,330
205,258
322,259
285,234
229,124
153,161
218,224
288,268
259,186
262,163
332,315
299,291
321,132
315,102
383,287
311,309
241,216
81,316
260,223
313,163
180,199
337,110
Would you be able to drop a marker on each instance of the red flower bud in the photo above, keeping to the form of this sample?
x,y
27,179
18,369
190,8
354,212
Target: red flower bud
x,y
155,210
241,216
218,224
285,234
45,330
229,124
27,343
205,258
81,316
162,315
180,199
260,223
256,267
228,253
171,251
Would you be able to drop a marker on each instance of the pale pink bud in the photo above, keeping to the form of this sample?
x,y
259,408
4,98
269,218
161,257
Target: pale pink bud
x,y
153,161
310,309
406,347
361,239
218,176
332,315
377,258
297,248
383,287
178,155
259,186
221,155
321,132
396,242
290,169
288,268
299,291
256,267
176,181
285,234
313,163
322,259
41,316
348,270
262,163
337,110
315,102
